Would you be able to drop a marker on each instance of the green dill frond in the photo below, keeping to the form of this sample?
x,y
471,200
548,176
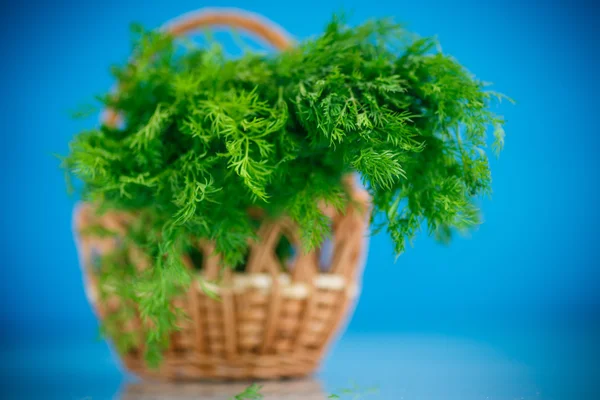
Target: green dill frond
x,y
252,392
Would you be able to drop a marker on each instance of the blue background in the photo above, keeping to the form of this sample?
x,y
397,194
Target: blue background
x,y
531,268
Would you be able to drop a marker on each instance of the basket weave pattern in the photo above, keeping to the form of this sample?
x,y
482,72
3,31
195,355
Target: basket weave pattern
x,y
272,321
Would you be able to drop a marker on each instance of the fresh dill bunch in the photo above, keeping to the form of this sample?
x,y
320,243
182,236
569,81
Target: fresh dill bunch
x,y
204,138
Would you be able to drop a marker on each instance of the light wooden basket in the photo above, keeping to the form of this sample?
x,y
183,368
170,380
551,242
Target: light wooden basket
x,y
273,320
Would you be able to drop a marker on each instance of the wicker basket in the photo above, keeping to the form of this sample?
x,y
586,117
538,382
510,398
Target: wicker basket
x,y
273,320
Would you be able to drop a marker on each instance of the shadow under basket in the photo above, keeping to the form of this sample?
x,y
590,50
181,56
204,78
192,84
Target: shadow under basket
x,y
274,320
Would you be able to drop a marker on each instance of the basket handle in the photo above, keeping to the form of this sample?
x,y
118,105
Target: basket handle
x,y
254,24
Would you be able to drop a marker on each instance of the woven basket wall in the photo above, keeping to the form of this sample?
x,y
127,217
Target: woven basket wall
x,y
274,320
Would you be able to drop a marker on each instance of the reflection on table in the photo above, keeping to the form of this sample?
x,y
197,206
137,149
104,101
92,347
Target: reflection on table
x,y
303,389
